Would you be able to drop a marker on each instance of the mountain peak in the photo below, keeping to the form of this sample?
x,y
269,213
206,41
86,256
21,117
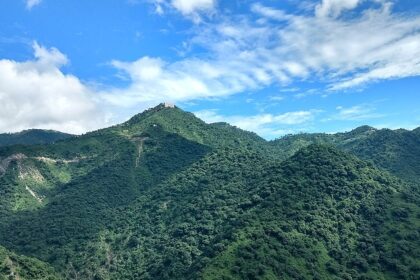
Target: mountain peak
x,y
163,105
173,119
362,129
161,111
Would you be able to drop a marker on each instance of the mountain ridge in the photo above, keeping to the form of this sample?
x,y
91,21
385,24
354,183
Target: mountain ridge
x,y
167,196
32,137
394,150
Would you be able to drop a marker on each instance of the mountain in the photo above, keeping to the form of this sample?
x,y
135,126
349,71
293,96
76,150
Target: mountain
x,y
397,151
324,214
167,196
32,137
186,125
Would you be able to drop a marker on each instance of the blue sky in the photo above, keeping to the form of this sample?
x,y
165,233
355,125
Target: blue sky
x,y
272,67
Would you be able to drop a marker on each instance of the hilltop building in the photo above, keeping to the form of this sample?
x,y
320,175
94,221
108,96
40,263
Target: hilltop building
x,y
169,105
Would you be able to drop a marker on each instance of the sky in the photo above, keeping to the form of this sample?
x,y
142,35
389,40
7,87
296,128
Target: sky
x,y
273,67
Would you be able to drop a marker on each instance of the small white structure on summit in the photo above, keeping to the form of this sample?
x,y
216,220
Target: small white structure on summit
x,y
169,105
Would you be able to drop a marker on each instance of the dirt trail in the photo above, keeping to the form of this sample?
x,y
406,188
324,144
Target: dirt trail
x,y
139,141
34,194
13,273
139,151
51,160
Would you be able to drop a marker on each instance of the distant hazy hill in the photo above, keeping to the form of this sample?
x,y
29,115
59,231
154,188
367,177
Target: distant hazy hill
x,y
32,137
167,196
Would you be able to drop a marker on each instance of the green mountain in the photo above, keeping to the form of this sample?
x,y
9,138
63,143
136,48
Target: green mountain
x,y
324,214
32,137
397,151
167,196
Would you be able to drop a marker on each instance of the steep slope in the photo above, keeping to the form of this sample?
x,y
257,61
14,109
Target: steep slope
x,y
325,215
175,120
397,151
322,214
166,196
32,137
78,210
16,267
174,226
68,192
60,163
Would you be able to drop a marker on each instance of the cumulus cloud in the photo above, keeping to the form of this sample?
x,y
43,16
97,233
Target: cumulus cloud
x,y
32,3
237,54
37,94
267,125
154,79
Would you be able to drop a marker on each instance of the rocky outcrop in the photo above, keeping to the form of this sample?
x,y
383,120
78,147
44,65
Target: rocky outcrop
x,y
4,163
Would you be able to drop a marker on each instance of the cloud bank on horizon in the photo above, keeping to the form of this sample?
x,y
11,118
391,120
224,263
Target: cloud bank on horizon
x,y
36,93
335,46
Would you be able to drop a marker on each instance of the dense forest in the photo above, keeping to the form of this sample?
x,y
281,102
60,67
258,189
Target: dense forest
x,y
167,196
32,137
13,266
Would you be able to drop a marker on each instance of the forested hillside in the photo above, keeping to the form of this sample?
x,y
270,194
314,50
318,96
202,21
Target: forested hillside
x,y
167,196
13,266
32,137
397,151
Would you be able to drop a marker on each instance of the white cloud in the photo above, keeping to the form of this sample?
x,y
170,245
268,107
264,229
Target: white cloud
x,y
36,94
277,98
267,12
153,79
238,54
334,8
192,9
267,125
372,45
355,113
244,54
32,3
188,7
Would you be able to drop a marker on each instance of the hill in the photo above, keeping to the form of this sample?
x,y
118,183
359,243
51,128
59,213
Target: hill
x,y
397,151
167,196
324,214
32,137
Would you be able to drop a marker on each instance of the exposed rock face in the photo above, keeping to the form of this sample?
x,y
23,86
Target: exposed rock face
x,y
4,164
27,172
51,160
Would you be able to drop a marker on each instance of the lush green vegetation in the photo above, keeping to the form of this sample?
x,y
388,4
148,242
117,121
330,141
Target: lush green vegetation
x,y
166,196
326,215
13,266
32,137
397,151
